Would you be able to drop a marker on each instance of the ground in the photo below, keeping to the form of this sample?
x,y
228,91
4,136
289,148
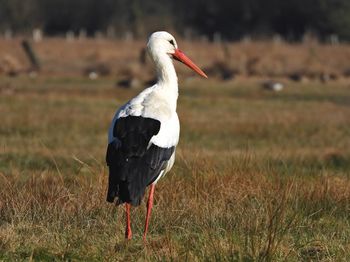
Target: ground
x,y
259,175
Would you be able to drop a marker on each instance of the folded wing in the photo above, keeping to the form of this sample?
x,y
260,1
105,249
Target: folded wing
x,y
133,161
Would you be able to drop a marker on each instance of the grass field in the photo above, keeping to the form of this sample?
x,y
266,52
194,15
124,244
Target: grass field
x,y
259,176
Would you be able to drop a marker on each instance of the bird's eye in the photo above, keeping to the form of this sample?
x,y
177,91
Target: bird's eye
x,y
172,42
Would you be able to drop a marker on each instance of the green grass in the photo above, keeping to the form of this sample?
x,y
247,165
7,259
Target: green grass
x,y
259,176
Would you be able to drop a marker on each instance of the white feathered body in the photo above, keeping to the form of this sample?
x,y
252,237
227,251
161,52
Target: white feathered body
x,y
154,102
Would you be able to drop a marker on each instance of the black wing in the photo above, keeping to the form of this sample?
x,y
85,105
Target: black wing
x,y
133,165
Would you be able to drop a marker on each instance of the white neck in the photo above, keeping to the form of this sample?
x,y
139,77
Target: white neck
x,y
166,73
167,78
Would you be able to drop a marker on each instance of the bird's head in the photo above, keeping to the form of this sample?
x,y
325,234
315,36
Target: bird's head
x,y
162,44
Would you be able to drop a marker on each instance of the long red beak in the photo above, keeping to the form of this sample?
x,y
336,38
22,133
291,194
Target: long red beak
x,y
180,56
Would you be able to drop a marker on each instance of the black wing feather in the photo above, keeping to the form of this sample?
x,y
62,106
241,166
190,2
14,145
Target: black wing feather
x,y
133,164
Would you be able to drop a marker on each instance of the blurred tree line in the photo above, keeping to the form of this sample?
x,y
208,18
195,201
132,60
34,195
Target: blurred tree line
x,y
232,19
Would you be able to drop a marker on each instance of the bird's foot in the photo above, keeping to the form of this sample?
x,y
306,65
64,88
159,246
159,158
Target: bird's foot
x,y
128,234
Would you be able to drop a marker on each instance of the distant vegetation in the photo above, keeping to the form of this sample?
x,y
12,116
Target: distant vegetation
x,y
231,19
123,59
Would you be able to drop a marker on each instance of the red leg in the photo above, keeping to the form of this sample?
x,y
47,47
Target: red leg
x,y
128,233
149,208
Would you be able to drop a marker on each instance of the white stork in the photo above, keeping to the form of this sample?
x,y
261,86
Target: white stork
x,y
145,131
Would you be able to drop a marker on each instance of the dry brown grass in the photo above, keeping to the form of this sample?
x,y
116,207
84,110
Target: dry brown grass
x,y
267,180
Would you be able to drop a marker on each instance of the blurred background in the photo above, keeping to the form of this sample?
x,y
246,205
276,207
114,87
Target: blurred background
x,y
294,39
229,20
262,168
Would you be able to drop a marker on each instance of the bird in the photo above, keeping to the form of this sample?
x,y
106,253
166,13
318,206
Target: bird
x,y
144,132
272,85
